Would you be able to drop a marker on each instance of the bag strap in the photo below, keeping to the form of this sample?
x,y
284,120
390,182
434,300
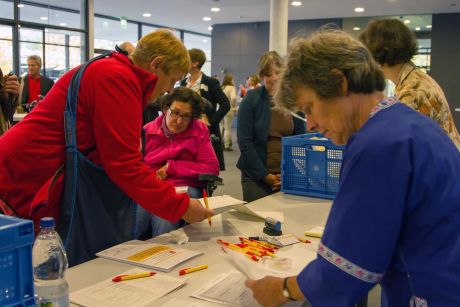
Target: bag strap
x,y
70,120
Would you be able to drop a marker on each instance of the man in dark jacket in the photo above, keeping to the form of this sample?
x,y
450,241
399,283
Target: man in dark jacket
x,y
34,86
208,88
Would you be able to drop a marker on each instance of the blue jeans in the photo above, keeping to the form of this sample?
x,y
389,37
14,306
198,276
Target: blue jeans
x,y
158,225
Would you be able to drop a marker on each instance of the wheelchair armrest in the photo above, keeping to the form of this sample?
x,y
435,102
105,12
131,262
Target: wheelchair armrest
x,y
209,178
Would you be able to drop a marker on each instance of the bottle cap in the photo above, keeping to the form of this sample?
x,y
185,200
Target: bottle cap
x,y
47,222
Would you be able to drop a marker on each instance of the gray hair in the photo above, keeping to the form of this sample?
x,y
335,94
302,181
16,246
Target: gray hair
x,y
35,58
321,61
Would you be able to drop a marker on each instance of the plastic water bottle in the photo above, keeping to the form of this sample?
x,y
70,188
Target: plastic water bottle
x,y
50,263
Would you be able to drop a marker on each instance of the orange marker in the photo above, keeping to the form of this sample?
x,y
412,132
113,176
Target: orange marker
x,y
205,198
194,269
133,276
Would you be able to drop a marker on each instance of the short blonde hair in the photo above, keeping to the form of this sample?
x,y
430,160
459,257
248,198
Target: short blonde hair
x,y
268,62
164,43
321,61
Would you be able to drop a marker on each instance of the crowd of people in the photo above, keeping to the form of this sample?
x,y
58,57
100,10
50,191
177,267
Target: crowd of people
x,y
395,219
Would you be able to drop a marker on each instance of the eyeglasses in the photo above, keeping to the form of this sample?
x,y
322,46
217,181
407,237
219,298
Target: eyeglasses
x,y
176,114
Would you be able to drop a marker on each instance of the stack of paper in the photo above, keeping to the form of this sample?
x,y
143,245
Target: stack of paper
x,y
136,292
149,255
316,232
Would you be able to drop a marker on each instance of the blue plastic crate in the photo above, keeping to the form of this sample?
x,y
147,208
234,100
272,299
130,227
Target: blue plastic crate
x,y
307,169
16,282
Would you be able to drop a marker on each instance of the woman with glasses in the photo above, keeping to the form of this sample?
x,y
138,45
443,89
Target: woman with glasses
x,y
178,149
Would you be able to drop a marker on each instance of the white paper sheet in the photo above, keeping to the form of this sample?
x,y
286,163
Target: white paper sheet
x,y
178,302
228,289
136,292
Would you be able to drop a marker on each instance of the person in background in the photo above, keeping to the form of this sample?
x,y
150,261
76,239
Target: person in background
x,y
253,82
178,149
9,90
34,86
209,89
396,217
393,46
228,87
127,47
113,92
261,125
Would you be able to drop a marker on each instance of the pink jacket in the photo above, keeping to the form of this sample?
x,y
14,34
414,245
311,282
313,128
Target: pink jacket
x,y
188,154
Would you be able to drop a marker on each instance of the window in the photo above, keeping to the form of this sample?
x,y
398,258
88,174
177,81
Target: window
x,y
6,9
44,13
108,33
30,43
6,48
201,42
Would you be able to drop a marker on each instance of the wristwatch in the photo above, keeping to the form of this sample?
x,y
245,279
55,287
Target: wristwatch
x,y
286,292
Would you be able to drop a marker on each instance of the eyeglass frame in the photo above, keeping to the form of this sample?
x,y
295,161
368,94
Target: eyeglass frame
x,y
176,114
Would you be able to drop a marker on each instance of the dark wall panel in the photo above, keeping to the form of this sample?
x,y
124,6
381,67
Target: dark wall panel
x,y
236,47
445,58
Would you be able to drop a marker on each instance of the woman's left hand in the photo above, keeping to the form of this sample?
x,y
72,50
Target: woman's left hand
x,y
268,291
161,172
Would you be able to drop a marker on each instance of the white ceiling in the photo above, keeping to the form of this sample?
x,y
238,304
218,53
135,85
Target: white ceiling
x,y
188,14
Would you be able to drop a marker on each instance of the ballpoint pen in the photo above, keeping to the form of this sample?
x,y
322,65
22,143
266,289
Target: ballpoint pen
x,y
194,269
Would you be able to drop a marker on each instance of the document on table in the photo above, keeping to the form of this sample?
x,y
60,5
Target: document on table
x,y
228,289
135,292
178,302
221,204
149,255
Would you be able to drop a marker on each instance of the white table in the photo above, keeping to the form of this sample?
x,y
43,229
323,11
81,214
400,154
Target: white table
x,y
300,213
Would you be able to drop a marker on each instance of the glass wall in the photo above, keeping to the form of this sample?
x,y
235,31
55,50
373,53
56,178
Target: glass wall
x,y
57,13
6,9
6,48
201,42
109,32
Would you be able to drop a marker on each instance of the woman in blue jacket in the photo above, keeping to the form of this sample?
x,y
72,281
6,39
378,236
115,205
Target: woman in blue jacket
x,y
261,125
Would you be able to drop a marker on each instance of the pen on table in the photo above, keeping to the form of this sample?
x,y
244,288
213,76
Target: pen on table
x,y
303,240
194,269
133,276
205,198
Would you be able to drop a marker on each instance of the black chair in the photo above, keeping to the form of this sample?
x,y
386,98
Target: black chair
x,y
212,181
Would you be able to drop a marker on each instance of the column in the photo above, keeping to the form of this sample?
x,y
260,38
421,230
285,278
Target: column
x,y
279,26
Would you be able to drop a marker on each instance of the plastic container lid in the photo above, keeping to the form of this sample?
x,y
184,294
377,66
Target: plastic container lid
x,y
47,222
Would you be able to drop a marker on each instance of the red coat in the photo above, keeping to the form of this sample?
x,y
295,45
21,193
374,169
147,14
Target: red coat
x,y
113,93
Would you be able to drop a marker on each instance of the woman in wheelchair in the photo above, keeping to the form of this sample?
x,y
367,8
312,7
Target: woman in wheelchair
x,y
178,148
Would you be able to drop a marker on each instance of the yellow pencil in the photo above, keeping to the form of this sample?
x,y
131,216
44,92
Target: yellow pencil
x,y
205,198
194,269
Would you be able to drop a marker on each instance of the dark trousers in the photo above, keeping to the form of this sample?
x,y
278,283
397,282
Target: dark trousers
x,y
254,189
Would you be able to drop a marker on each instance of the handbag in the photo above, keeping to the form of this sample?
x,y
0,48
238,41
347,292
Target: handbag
x,y
95,213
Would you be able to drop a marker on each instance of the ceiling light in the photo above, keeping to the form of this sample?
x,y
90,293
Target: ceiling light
x,y
146,14
20,5
207,18
296,3
43,18
215,9
356,28
359,9
63,24
407,21
417,28
205,40
210,28
428,26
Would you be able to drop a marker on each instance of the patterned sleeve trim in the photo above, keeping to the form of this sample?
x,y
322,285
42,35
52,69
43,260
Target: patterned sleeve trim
x,y
348,266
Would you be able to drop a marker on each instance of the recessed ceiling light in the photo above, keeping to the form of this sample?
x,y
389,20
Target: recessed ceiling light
x,y
43,18
407,21
356,28
146,14
63,24
210,28
205,40
21,5
417,28
428,26
359,9
296,3
207,18
215,9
